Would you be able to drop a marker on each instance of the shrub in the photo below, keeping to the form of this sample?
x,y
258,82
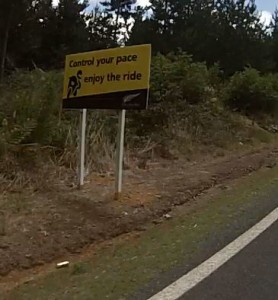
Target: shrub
x,y
176,82
184,109
177,77
251,93
30,107
30,113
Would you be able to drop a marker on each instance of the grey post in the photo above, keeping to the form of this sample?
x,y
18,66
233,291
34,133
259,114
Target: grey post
x,y
120,153
82,144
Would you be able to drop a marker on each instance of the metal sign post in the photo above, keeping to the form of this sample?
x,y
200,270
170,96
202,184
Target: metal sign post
x,y
82,144
120,153
118,79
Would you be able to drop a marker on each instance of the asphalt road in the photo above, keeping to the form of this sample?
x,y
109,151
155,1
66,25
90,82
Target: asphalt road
x,y
250,275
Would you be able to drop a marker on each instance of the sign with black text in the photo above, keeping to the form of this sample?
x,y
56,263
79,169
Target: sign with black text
x,y
108,79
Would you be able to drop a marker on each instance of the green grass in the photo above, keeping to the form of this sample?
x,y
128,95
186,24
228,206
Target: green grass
x,y
116,272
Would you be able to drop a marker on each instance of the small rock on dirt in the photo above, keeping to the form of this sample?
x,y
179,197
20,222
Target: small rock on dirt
x,y
271,165
29,280
158,221
224,187
167,216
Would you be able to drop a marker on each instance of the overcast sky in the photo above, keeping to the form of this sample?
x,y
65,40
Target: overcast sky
x,y
267,7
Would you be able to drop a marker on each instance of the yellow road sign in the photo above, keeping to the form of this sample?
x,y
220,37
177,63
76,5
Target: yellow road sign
x,y
113,78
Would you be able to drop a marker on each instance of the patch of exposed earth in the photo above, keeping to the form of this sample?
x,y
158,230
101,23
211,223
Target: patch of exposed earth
x,y
40,227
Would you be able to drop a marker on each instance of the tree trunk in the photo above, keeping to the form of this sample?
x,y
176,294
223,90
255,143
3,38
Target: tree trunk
x,y
5,46
118,12
116,26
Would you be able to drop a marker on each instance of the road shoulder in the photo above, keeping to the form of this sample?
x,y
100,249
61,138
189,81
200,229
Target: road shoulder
x,y
140,265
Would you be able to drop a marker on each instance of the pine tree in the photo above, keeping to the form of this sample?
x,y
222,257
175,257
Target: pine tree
x,y
119,9
64,31
32,33
240,35
274,28
11,16
101,30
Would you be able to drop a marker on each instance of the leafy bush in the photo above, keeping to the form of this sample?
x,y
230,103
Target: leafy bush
x,y
251,93
177,77
176,82
30,113
30,107
184,112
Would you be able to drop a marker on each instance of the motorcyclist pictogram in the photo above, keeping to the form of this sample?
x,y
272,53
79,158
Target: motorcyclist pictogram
x,y
74,84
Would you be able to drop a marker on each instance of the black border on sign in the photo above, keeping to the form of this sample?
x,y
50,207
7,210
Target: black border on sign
x,y
110,101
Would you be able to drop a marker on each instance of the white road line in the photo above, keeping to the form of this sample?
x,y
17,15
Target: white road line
x,y
191,279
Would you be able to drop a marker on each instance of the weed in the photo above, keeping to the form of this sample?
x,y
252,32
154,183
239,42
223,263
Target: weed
x,y
80,268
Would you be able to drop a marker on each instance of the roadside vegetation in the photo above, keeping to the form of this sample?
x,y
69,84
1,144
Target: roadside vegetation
x,y
214,93
135,260
209,92
192,110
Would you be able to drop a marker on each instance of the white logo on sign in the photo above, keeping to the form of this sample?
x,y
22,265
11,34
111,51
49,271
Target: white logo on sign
x,y
129,98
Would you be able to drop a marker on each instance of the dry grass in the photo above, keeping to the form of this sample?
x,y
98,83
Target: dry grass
x,y
39,142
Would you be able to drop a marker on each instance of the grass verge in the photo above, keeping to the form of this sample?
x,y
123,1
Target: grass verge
x,y
117,271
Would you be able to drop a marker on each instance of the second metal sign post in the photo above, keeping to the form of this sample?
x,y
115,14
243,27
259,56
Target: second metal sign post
x,y
115,78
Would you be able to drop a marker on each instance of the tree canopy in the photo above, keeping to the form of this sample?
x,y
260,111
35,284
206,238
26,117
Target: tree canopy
x,y
34,33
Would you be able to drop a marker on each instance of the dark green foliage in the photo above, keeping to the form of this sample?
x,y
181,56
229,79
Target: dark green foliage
x,y
274,45
101,31
226,32
186,109
229,32
122,11
176,77
30,108
40,35
183,101
251,93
